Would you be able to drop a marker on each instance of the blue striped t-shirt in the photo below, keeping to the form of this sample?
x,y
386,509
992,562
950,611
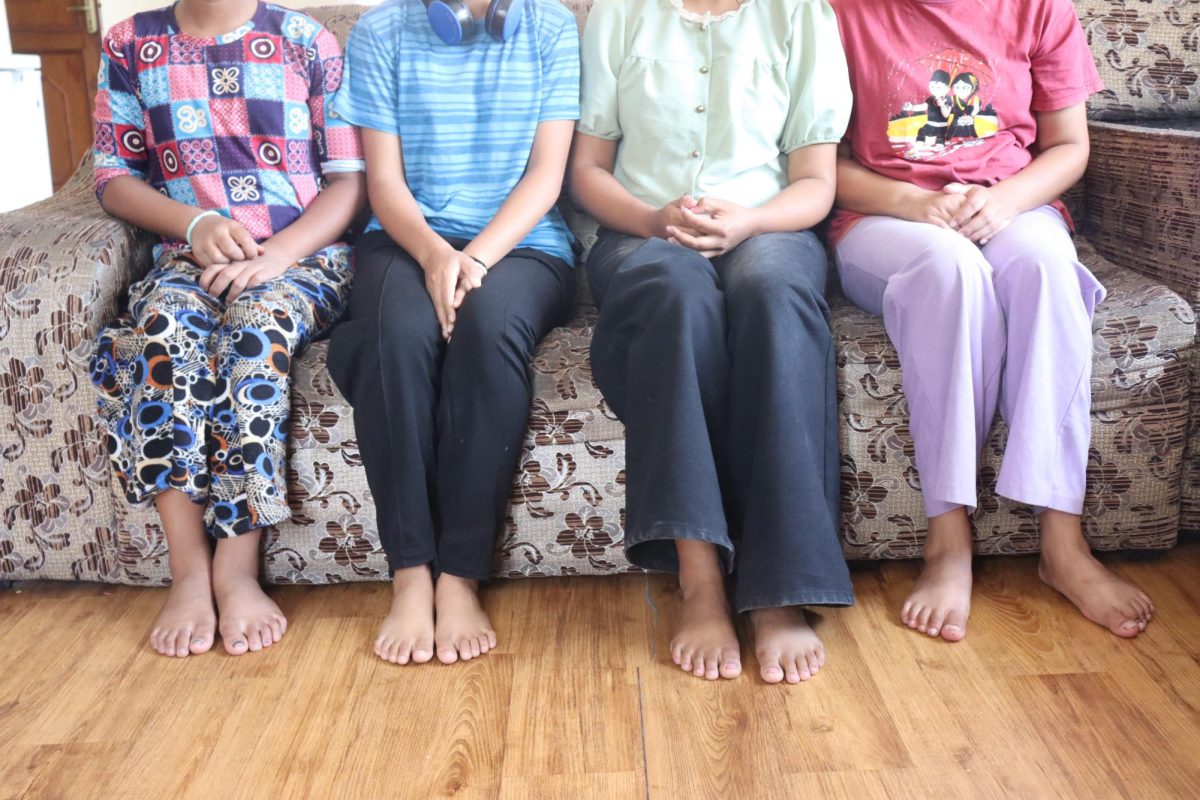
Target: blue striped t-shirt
x,y
465,114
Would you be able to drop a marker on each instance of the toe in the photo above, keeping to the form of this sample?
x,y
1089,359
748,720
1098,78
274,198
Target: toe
x,y
276,626
923,619
202,641
264,633
769,667
906,613
254,641
731,663
181,640
403,652
485,643
685,659
476,650
676,653
446,653
955,627
463,646
797,670
235,643
712,666
814,665
422,651
936,619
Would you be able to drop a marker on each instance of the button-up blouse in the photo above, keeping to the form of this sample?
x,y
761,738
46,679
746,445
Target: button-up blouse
x,y
712,106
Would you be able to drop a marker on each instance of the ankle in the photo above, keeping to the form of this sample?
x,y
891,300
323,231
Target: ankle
x,y
454,583
410,578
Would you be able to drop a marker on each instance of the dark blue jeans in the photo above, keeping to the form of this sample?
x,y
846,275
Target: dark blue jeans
x,y
723,373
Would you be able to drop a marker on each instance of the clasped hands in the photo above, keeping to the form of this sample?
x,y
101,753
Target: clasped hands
x,y
231,259
977,212
710,226
450,275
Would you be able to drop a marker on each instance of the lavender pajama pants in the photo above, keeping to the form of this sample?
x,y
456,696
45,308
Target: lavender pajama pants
x,y
1007,324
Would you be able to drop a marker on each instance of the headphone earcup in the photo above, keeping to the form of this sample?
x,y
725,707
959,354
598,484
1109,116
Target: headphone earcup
x,y
503,18
451,20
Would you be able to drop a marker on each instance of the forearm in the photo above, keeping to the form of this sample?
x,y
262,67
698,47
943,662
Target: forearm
x,y
1045,179
324,222
864,192
134,201
532,198
798,207
401,217
611,204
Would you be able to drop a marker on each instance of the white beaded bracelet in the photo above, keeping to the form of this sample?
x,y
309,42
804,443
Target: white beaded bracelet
x,y
192,225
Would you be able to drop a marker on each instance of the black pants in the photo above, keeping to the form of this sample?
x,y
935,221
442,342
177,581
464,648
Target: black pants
x,y
440,425
723,373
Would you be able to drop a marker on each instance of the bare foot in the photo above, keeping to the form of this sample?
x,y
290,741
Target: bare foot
x,y
705,643
407,632
941,600
786,645
187,623
463,630
249,620
1067,565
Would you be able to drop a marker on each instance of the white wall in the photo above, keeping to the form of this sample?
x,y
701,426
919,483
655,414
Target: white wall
x,y
113,11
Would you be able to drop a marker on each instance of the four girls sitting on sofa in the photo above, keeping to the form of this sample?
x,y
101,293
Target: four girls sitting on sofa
x,y
710,138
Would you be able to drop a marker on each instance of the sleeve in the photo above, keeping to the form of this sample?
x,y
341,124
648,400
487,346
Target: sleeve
x,y
602,53
560,71
338,146
817,78
369,94
119,146
1064,73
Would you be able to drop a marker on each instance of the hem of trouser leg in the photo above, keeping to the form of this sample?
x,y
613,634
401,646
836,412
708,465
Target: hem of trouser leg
x,y
935,508
675,531
803,597
141,499
244,526
467,573
1052,501
405,561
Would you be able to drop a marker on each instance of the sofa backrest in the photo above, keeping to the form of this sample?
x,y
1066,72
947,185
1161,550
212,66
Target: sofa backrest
x,y
1148,53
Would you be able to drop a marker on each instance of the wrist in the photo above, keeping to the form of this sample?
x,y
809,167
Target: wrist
x,y
432,251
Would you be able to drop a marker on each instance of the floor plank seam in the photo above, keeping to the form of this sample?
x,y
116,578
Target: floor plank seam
x,y
653,620
642,726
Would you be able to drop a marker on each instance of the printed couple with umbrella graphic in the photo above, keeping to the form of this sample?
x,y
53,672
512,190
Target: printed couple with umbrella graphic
x,y
953,115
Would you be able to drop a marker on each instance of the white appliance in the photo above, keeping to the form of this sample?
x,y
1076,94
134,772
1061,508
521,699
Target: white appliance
x,y
24,148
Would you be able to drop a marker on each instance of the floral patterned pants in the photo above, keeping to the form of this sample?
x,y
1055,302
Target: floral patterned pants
x,y
194,391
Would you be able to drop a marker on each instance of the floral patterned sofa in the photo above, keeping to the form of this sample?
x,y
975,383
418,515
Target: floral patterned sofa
x,y
64,266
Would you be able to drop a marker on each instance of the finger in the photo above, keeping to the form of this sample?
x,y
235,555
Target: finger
x,y
244,241
996,228
695,242
228,247
974,204
222,281
980,225
459,295
212,256
687,201
703,224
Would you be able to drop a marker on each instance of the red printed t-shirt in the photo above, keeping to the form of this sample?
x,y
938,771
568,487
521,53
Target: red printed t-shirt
x,y
945,90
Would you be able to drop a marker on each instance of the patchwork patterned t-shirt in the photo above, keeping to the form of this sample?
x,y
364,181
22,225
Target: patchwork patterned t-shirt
x,y
239,123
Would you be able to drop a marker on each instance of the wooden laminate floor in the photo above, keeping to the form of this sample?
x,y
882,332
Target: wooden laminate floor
x,y
580,700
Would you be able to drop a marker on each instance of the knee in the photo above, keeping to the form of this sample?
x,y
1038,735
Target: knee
x,y
172,313
667,282
772,282
257,331
950,269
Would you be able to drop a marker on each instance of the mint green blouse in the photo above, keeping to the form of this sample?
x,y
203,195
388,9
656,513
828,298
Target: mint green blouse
x,y
711,106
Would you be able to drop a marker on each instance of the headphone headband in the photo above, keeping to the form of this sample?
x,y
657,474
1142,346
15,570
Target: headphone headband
x,y
453,21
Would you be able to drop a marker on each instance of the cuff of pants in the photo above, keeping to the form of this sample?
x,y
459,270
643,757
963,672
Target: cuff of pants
x,y
654,547
472,572
799,597
407,559
1066,502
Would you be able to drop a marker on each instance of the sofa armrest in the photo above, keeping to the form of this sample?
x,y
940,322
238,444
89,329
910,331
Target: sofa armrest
x,y
1142,212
